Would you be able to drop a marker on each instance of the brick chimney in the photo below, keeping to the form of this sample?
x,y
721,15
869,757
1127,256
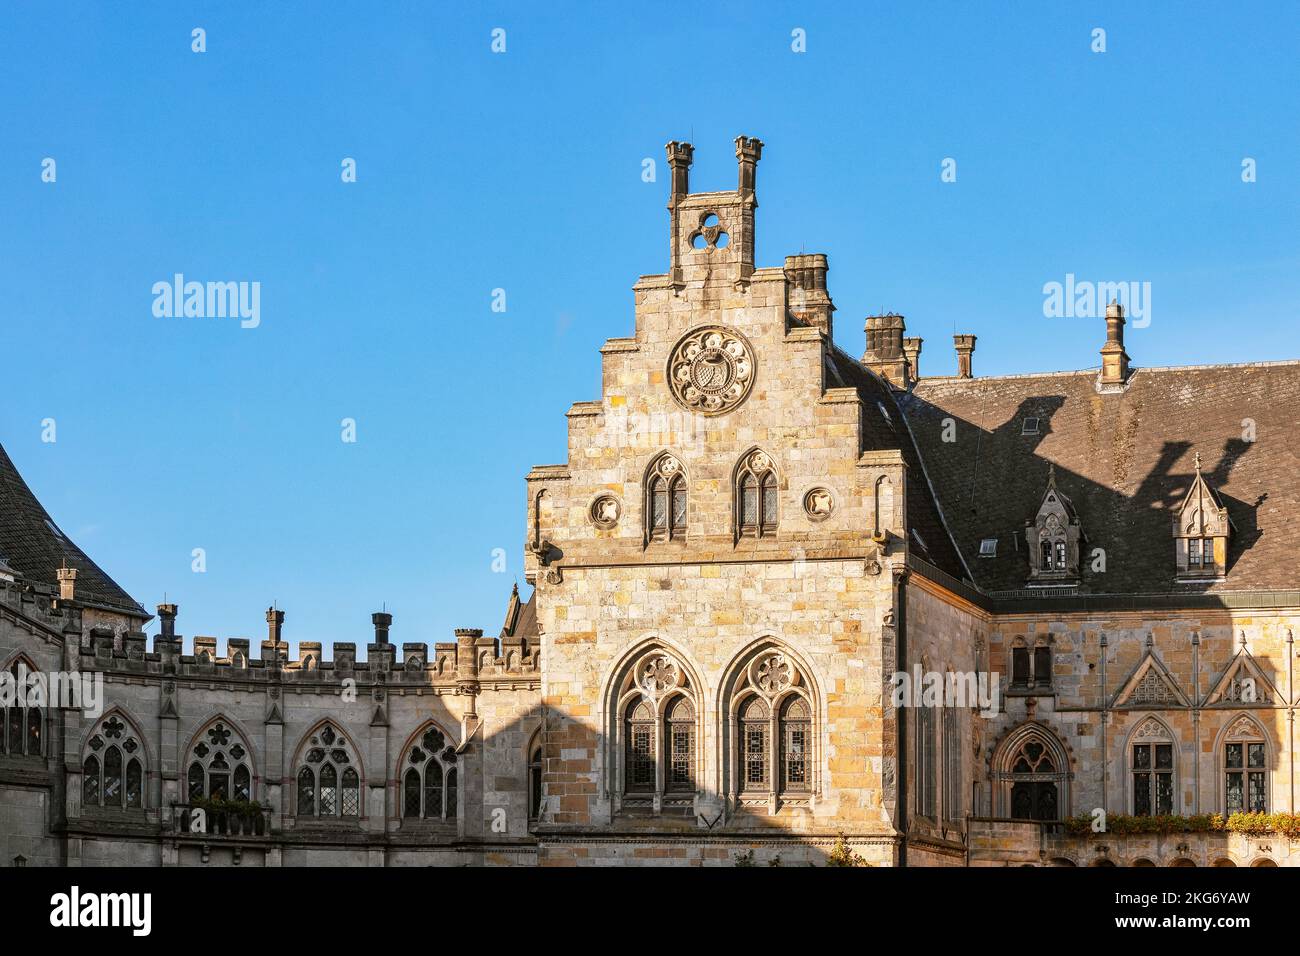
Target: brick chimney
x,y
167,620
1114,360
67,583
884,354
965,346
912,350
749,150
382,621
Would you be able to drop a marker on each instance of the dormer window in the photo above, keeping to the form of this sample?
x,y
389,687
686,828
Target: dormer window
x,y
1201,530
1054,538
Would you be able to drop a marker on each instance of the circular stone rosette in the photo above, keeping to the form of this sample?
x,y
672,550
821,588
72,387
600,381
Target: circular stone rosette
x,y
711,370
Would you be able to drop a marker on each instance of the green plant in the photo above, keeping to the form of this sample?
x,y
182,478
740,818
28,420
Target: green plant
x,y
1252,824
745,859
842,855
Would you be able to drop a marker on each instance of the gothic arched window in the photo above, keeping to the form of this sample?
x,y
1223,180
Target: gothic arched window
x,y
656,754
1151,766
22,726
220,765
756,497
1245,768
665,500
926,770
328,757
640,736
535,782
429,781
771,741
112,766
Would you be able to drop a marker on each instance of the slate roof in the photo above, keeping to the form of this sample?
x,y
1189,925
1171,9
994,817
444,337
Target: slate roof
x,y
884,426
521,618
1126,462
34,546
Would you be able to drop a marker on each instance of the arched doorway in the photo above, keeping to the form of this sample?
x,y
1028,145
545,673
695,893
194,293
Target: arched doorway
x,y
1183,862
1143,862
1031,775
1263,862
1224,863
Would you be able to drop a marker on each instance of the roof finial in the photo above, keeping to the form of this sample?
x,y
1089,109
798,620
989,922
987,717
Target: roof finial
x,y
1051,474
1197,461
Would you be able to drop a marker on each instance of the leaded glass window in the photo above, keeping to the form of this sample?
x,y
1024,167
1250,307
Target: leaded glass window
x,y
681,745
754,728
351,793
796,745
429,782
665,499
328,757
640,748
21,727
306,792
756,497
1153,779
220,765
112,756
1245,767
925,762
90,781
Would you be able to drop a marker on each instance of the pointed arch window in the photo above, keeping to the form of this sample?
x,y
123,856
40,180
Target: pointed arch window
x,y
112,766
926,770
772,752
1151,766
1034,791
220,765
756,497
22,725
1245,768
666,500
429,781
656,750
535,782
328,783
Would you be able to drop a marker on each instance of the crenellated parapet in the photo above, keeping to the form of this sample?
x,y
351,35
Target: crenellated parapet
x,y
471,659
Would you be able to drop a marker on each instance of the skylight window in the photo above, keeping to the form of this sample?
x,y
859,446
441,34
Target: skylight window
x,y
989,548
1030,427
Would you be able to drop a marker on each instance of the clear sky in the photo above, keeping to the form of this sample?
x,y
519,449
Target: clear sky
x,y
523,171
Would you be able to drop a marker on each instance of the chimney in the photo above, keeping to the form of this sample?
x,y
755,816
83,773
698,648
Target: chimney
x,y
965,346
912,350
1114,360
274,625
167,620
749,150
382,621
884,354
806,291
67,583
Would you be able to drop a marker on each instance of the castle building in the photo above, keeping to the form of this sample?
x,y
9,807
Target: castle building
x,y
771,584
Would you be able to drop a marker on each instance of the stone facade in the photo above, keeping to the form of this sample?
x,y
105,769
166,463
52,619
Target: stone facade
x,y
752,534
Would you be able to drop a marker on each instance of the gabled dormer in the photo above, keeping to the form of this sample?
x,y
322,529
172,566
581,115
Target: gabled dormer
x,y
1201,531
1054,538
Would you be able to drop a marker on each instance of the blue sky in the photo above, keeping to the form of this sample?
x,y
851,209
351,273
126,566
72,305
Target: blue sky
x,y
522,171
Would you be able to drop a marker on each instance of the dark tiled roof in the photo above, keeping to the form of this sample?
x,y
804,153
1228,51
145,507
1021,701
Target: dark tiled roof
x,y
885,427
1126,462
33,545
521,618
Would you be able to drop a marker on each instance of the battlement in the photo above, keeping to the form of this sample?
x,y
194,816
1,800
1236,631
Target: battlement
x,y
41,603
470,657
